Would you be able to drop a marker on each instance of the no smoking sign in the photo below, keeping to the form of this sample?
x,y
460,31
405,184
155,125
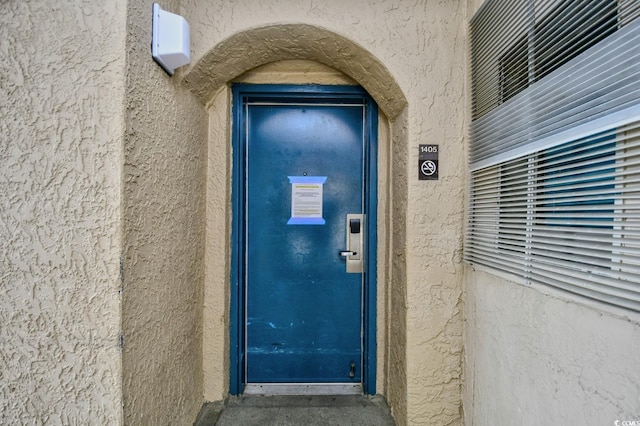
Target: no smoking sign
x,y
428,162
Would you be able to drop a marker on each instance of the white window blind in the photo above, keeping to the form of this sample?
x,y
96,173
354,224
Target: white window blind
x,y
555,145
542,66
567,216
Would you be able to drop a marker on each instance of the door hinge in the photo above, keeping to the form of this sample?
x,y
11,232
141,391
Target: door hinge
x,y
121,341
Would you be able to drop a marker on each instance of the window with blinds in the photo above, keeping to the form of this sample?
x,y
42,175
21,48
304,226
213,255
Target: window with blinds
x,y
564,30
555,145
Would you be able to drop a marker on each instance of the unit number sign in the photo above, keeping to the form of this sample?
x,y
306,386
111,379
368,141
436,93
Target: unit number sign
x,y
428,162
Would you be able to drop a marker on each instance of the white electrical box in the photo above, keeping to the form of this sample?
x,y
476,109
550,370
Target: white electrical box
x,y
170,40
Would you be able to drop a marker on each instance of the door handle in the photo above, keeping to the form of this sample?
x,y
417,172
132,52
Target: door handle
x,y
354,229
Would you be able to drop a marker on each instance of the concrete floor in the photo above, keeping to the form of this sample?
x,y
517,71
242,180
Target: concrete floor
x,y
351,410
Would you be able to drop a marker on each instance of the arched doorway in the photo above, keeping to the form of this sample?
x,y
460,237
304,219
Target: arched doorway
x,y
209,79
259,46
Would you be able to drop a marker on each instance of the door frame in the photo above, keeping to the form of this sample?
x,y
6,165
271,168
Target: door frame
x,y
319,94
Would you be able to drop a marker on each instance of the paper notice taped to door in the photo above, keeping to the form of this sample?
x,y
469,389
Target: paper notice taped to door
x,y
306,200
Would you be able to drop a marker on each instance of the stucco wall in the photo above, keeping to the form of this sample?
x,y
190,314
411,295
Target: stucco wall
x,y
164,194
218,238
540,357
61,128
435,218
421,45
396,378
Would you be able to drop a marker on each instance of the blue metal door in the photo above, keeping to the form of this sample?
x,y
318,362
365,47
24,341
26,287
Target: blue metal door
x,y
304,174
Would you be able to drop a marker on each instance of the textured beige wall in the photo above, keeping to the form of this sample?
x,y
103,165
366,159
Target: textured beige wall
x,y
76,198
217,290
411,57
294,72
396,378
277,42
434,215
164,178
541,357
61,130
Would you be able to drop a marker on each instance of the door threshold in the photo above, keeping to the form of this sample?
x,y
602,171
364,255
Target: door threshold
x,y
303,389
